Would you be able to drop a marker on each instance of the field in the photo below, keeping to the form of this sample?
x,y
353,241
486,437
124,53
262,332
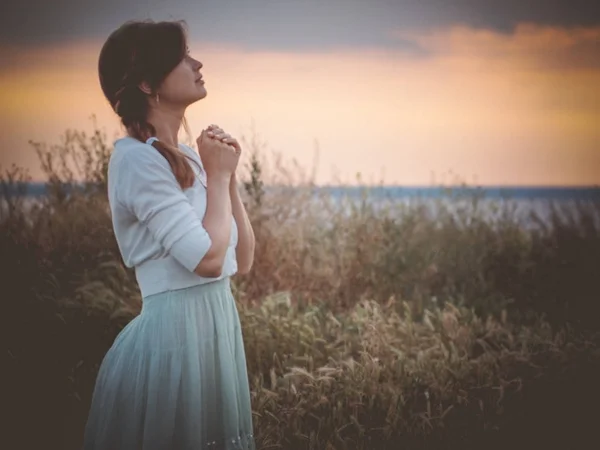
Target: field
x,y
366,327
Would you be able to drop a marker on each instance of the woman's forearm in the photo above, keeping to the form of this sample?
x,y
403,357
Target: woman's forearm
x,y
246,242
217,223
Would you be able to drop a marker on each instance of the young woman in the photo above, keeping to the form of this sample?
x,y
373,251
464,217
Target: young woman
x,y
175,377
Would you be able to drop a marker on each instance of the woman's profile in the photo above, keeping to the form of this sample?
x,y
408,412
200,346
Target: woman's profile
x,y
175,376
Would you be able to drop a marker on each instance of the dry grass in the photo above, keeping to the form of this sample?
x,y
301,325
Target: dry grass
x,y
365,326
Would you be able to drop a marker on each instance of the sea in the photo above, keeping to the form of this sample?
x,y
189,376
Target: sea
x,y
528,205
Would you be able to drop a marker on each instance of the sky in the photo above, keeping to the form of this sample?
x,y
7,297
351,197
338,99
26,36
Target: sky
x,y
404,92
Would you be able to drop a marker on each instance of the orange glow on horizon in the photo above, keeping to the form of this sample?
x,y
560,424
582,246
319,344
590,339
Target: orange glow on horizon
x,y
518,109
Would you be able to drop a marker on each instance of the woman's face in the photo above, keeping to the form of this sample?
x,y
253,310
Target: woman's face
x,y
184,85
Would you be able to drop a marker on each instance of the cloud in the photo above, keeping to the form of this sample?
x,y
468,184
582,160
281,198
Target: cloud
x,y
507,107
292,25
486,87
554,69
505,15
529,46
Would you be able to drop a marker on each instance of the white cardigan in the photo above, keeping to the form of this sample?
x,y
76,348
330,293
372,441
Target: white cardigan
x,y
158,226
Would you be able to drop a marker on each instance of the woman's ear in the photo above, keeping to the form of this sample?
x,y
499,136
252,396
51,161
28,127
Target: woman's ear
x,y
145,88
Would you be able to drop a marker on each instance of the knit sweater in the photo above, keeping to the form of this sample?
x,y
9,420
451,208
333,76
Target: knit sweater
x,y
157,225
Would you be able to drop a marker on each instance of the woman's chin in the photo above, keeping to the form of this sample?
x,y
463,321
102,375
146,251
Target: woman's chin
x,y
202,92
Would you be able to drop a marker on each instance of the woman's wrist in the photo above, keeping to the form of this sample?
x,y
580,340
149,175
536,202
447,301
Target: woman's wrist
x,y
219,178
233,182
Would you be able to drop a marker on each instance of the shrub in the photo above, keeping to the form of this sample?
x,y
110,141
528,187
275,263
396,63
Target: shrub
x,y
367,322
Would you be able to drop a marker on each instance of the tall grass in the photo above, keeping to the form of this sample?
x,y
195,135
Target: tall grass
x,y
366,324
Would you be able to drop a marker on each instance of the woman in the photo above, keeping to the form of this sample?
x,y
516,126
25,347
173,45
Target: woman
x,y
175,377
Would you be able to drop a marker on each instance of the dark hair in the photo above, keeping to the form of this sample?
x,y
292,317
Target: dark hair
x,y
143,51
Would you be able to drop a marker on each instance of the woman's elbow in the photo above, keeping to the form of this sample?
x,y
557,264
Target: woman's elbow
x,y
209,269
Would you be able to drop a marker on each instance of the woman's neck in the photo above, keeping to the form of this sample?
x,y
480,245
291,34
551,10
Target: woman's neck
x,y
167,123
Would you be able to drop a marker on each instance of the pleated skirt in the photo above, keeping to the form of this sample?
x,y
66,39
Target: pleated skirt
x,y
175,377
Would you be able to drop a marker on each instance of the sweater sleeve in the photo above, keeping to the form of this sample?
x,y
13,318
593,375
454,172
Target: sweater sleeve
x,y
148,188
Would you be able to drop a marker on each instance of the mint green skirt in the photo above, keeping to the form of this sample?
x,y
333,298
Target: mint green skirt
x,y
175,377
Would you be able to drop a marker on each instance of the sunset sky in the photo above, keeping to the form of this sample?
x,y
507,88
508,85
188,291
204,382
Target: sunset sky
x,y
402,91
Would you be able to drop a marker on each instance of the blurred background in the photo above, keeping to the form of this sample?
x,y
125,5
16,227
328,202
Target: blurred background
x,y
423,181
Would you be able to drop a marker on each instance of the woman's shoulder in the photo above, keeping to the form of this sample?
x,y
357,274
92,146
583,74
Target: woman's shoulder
x,y
128,151
130,145
136,162
131,151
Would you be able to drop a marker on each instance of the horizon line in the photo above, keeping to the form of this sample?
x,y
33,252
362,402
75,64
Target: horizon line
x,y
387,185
